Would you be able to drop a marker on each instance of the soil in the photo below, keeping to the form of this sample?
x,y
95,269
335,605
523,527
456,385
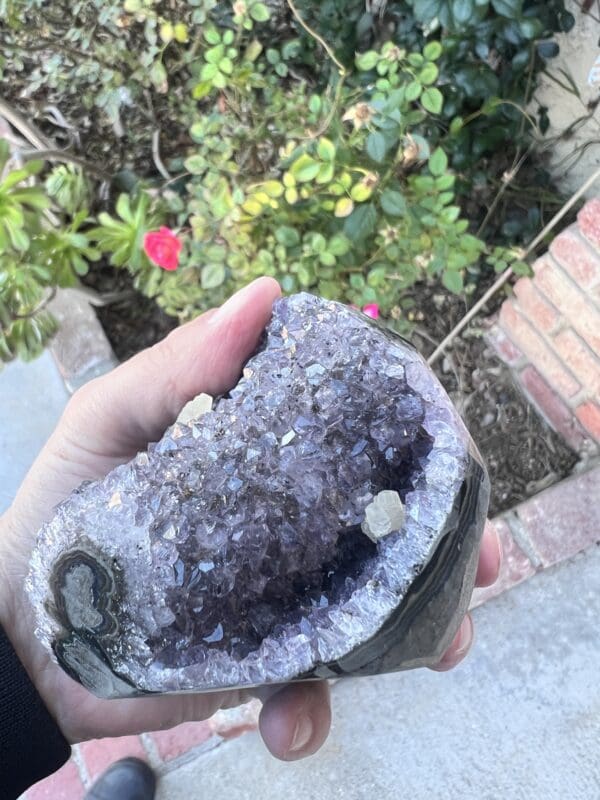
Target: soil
x,y
131,322
522,453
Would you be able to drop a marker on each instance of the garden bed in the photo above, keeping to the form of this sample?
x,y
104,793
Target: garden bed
x,y
375,153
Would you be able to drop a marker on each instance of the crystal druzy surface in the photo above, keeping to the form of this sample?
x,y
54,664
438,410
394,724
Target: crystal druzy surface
x,y
250,545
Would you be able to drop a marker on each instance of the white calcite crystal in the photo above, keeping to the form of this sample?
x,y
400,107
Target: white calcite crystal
x,y
384,515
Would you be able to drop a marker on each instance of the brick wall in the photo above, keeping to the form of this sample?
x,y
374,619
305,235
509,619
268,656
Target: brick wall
x,y
549,332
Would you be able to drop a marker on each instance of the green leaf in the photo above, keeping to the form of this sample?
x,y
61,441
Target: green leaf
x,y
273,188
327,259
428,74
209,71
521,268
376,146
259,12
453,281
305,168
123,208
338,245
226,65
508,8
438,162
196,164
450,215
158,75
432,51
427,10
212,36
315,104
359,192
253,50
344,207
432,100
288,237
326,149
530,28
361,222
317,242
212,275
393,203
413,91
202,89
325,174
463,11
368,60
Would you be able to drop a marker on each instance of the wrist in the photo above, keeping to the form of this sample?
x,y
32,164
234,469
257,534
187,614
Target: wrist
x,y
13,571
7,615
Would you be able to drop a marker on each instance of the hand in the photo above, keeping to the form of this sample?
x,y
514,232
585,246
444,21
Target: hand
x,y
105,424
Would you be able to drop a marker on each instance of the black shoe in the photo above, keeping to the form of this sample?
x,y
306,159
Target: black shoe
x,y
129,779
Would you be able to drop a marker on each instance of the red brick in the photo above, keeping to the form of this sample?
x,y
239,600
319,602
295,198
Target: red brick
x,y
576,257
570,301
582,362
588,220
542,314
506,349
532,344
514,568
177,741
564,519
63,785
589,416
99,754
560,417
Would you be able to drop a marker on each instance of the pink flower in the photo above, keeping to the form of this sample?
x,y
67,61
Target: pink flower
x,y
371,310
163,248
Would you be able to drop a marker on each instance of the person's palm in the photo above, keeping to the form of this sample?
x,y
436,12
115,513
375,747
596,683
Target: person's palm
x,y
105,424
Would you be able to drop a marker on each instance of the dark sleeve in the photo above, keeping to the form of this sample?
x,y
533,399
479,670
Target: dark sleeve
x,y
31,744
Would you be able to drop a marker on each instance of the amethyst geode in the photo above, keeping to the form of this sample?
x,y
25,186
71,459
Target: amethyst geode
x,y
322,520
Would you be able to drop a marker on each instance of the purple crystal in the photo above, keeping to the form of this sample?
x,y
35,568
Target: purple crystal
x,y
234,551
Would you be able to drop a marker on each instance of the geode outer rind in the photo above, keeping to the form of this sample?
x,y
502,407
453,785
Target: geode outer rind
x,y
231,553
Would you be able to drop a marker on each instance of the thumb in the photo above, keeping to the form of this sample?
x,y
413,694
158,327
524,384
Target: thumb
x,y
113,417
133,405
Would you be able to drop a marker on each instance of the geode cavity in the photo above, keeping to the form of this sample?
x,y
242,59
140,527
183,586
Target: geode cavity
x,y
322,520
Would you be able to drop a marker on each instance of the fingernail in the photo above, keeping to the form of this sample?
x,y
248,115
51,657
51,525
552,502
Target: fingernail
x,y
302,734
465,637
500,551
231,306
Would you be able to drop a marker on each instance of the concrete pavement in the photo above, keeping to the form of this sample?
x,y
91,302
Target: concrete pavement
x,y
519,720
32,398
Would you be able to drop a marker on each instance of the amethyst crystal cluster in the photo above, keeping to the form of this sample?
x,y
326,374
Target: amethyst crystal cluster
x,y
323,519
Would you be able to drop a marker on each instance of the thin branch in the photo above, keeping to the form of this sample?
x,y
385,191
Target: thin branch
x,y
24,127
40,307
318,38
156,156
439,350
510,176
65,155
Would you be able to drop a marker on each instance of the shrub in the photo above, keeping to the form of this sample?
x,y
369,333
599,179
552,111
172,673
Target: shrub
x,y
341,172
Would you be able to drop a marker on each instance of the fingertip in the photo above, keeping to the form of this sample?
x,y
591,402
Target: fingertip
x,y
294,722
461,644
490,557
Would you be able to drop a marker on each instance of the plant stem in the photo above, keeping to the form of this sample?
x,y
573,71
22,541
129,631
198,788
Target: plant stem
x,y
24,127
318,38
40,306
64,155
439,350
